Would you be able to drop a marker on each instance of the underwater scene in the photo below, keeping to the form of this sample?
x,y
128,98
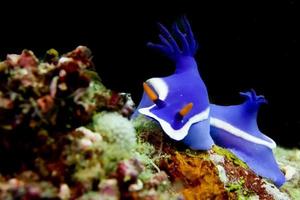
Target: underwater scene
x,y
198,102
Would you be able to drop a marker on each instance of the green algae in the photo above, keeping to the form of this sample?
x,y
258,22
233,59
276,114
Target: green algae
x,y
230,156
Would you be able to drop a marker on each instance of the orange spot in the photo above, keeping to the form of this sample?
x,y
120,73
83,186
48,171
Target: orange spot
x,y
150,92
186,109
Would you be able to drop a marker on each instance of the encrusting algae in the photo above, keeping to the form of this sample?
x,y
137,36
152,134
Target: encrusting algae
x,y
198,175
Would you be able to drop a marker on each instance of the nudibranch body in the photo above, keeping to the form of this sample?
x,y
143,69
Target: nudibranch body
x,y
235,128
179,103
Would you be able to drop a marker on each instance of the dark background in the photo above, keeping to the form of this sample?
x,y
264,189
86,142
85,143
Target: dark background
x,y
243,45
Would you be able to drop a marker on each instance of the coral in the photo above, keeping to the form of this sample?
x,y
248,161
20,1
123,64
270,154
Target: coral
x,y
109,189
115,129
128,170
42,98
26,186
119,138
66,136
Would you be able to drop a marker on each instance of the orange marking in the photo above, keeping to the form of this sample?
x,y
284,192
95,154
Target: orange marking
x,y
186,109
152,95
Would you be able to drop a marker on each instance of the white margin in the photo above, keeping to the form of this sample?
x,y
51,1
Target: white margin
x,y
172,133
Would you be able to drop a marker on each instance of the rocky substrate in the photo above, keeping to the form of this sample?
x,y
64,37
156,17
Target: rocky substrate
x,y
64,135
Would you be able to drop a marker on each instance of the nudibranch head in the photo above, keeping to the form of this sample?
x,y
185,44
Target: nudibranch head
x,y
235,128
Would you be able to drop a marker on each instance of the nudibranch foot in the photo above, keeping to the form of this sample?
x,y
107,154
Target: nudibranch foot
x,y
235,128
198,137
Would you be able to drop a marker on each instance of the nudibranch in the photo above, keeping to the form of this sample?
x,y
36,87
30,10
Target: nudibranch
x,y
179,102
235,128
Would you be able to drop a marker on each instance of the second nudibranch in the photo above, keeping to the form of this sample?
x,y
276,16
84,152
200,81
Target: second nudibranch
x,y
235,128
179,102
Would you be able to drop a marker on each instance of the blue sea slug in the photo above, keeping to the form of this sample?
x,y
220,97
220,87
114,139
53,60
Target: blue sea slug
x,y
180,104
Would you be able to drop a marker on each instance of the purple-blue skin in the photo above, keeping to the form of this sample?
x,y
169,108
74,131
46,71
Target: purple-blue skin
x,y
235,128
179,89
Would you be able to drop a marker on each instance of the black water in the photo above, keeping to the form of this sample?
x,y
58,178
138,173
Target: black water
x,y
248,44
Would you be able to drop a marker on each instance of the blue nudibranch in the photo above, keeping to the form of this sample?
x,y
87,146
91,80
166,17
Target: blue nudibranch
x,y
180,104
